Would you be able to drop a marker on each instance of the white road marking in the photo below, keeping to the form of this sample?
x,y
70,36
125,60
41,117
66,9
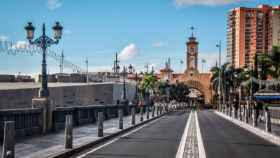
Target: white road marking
x,y
180,151
116,139
199,139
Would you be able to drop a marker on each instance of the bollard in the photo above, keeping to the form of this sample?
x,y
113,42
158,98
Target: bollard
x,y
267,121
160,111
153,111
100,124
157,110
68,132
9,140
246,111
133,115
255,121
148,112
141,113
120,111
239,114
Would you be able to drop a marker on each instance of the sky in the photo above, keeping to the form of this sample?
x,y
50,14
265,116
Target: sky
x,y
141,31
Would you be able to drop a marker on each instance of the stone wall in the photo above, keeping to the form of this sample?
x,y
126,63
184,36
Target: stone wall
x,y
67,96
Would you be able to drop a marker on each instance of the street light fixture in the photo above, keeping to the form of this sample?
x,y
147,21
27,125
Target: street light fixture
x,y
219,91
43,42
124,73
130,69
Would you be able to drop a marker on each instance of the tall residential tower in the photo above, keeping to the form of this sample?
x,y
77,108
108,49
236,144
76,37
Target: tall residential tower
x,y
251,31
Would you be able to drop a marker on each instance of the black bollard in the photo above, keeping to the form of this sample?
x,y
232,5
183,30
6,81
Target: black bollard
x,y
133,115
100,124
120,111
68,132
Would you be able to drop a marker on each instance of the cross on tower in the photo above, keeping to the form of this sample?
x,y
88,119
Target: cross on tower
x,y
192,29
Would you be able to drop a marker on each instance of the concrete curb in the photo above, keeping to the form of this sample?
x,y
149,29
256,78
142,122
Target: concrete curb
x,y
78,149
261,133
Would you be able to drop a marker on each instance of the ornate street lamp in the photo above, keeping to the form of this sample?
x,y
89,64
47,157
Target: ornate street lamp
x,y
44,42
124,73
130,69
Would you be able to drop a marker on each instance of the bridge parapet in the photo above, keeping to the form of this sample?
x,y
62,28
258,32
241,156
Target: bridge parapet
x,y
29,122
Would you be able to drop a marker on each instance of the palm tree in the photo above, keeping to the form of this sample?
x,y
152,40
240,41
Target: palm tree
x,y
224,79
147,85
275,58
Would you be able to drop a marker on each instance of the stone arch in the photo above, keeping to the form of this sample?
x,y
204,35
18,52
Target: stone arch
x,y
202,87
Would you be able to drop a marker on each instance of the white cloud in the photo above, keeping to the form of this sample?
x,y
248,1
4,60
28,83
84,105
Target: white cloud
x,y
20,45
54,4
207,2
159,44
3,38
128,52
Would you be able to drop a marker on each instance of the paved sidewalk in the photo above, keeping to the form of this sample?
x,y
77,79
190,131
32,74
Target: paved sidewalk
x,y
46,145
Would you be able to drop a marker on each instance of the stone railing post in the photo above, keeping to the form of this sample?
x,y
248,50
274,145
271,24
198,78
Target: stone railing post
x,y
141,113
255,121
153,111
133,115
148,112
68,132
100,124
267,121
120,112
47,109
9,140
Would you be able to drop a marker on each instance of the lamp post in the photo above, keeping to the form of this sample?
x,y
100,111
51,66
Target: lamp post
x,y
124,86
44,42
219,91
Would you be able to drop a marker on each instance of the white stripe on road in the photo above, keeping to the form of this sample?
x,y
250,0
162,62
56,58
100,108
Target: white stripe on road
x,y
116,139
199,139
181,149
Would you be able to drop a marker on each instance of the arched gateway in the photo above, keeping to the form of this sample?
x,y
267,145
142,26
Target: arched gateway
x,y
191,77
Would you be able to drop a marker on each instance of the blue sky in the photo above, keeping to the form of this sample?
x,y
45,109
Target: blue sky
x,y
143,31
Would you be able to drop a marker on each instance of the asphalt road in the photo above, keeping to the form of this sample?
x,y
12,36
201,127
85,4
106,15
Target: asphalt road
x,y
157,140
223,139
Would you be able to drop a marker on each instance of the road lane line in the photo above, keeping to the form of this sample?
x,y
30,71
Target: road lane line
x,y
201,148
181,149
116,139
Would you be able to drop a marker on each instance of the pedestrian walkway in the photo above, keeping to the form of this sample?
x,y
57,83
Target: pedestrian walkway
x,y
222,138
46,145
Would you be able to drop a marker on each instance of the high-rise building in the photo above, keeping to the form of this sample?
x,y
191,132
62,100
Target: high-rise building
x,y
251,31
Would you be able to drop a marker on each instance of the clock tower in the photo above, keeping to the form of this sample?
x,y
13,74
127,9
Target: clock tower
x,y
192,54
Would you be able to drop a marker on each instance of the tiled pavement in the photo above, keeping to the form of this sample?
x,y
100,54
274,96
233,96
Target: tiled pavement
x,y
49,144
191,146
